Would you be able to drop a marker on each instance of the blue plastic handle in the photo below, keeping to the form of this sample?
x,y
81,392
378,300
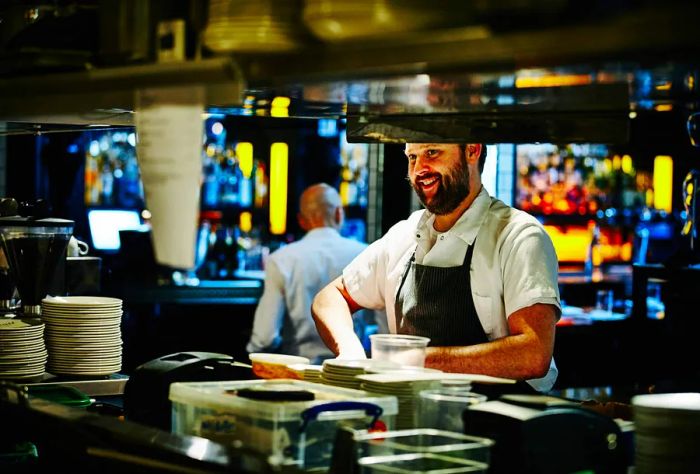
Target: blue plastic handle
x,y
311,414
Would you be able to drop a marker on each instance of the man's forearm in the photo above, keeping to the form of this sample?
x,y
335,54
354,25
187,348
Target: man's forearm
x,y
333,317
525,354
509,357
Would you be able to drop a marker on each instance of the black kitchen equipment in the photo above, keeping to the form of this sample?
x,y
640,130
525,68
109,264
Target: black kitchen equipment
x,y
146,393
35,249
541,434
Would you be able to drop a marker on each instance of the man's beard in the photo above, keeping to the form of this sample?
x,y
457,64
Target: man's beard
x,y
453,189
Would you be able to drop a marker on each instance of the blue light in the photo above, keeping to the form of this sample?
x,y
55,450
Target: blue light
x,y
327,128
72,149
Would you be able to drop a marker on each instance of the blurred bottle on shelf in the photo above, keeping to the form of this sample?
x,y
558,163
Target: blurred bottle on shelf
x,y
594,255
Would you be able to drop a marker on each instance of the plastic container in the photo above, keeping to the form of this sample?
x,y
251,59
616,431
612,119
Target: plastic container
x,y
399,348
291,433
424,441
275,366
419,463
442,408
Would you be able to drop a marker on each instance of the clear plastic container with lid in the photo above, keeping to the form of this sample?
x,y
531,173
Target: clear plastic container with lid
x,y
291,421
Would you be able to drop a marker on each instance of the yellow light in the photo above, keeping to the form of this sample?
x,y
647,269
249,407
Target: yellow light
x,y
551,80
627,164
280,107
664,107
279,156
626,251
281,102
616,163
663,182
344,193
649,198
664,86
245,221
244,152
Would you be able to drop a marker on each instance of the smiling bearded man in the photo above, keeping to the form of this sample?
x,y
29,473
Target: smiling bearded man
x,y
476,276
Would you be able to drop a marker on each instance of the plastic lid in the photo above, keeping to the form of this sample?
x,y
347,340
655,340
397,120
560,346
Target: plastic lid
x,y
20,221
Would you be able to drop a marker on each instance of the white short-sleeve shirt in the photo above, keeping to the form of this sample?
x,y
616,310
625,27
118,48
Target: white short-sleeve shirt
x,y
514,264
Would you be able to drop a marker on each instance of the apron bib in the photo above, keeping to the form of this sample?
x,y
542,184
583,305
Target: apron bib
x,y
436,302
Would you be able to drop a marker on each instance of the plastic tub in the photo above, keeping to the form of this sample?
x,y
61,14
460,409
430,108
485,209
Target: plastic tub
x,y
399,348
442,408
290,433
275,366
425,441
419,463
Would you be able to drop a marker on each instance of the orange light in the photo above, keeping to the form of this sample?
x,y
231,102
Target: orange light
x,y
570,244
663,107
552,80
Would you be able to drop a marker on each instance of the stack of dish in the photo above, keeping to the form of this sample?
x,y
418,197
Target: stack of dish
x,y
82,335
22,351
307,372
252,26
342,373
667,429
405,388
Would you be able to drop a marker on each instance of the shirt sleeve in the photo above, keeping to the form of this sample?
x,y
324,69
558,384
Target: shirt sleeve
x,y
364,277
530,270
269,315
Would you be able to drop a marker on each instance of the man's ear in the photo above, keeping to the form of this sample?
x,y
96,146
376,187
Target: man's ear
x,y
473,152
302,222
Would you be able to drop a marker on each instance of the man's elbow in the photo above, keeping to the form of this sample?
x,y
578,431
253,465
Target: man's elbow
x,y
539,365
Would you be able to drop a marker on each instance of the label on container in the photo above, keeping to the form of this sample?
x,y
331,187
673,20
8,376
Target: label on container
x,y
216,425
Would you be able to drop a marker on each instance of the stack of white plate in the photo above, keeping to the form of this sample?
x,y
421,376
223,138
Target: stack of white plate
x,y
404,389
307,372
667,431
252,26
83,335
22,350
342,373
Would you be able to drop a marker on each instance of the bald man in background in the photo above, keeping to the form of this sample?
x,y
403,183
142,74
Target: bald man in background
x,y
296,272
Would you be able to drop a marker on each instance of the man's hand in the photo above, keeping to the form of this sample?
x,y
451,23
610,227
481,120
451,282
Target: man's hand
x,y
524,354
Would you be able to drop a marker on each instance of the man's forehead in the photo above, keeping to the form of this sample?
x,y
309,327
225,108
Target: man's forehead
x,y
420,147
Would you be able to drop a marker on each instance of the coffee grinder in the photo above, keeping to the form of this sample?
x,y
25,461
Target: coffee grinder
x,y
34,248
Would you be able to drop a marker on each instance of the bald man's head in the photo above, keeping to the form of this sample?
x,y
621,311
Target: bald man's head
x,y
320,206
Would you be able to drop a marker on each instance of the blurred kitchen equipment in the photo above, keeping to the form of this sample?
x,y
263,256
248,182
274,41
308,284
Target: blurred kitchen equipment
x,y
146,393
399,348
541,434
35,248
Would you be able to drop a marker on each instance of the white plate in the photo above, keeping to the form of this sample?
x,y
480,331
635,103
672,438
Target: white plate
x,y
81,301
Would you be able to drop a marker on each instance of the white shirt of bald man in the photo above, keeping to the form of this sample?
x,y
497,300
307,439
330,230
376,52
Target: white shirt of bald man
x,y
295,273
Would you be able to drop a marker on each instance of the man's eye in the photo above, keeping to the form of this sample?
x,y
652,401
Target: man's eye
x,y
411,157
431,152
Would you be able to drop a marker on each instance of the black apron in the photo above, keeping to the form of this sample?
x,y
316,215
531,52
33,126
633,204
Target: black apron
x,y
436,302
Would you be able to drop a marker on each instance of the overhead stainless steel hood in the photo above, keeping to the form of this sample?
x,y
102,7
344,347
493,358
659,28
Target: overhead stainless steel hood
x,y
569,81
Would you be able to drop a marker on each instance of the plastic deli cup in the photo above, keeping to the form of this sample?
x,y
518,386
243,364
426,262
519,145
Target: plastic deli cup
x,y
399,348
